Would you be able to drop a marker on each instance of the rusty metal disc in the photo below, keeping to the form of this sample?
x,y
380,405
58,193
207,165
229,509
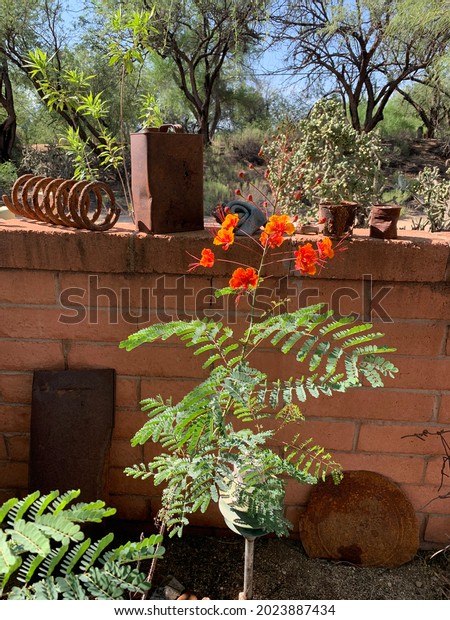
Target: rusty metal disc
x,y
366,520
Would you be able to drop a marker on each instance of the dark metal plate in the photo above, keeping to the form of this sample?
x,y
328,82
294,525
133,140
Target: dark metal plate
x,y
72,419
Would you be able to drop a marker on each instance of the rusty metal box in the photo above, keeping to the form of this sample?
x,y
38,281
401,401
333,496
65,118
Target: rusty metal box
x,y
167,181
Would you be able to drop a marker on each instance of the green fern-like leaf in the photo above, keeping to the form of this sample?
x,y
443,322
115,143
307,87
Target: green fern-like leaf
x,y
28,537
71,588
46,590
7,557
6,507
59,528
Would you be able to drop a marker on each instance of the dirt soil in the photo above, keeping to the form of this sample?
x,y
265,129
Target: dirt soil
x,y
213,567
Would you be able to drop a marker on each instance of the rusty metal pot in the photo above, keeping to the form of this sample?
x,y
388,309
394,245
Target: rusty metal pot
x,y
383,221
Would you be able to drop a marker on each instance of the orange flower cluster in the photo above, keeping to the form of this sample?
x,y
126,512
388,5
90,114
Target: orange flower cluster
x,y
244,278
225,234
275,229
307,258
206,260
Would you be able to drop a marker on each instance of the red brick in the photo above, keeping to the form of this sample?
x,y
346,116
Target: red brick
x,y
416,300
388,438
397,468
121,484
131,507
149,360
297,494
423,498
421,372
26,243
127,423
412,337
13,475
444,411
136,294
16,388
151,450
15,419
27,287
53,323
127,392
167,388
30,355
3,453
18,447
123,454
447,344
435,467
373,404
330,435
438,530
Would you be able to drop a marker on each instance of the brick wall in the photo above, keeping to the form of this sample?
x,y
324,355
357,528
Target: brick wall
x,y
68,297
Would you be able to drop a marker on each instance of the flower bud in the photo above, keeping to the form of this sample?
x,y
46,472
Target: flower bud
x,y
241,174
238,192
249,198
298,195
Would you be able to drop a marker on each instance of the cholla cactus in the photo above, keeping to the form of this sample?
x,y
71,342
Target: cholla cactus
x,y
323,158
432,192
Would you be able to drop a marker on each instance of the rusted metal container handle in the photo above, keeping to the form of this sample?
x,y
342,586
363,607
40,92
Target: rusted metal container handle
x,y
166,128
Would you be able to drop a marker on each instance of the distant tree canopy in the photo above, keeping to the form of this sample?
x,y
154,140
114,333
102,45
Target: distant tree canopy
x,y
195,58
364,49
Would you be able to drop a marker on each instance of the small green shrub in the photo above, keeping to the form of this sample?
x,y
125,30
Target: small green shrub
x,y
46,160
43,548
8,174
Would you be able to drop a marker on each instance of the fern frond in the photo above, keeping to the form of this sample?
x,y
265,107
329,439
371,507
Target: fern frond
x,y
19,508
63,500
6,507
59,528
71,588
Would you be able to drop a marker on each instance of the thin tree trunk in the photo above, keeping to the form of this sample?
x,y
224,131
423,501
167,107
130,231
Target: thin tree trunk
x,y
247,594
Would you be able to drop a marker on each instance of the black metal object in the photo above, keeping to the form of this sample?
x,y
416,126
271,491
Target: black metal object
x,y
72,418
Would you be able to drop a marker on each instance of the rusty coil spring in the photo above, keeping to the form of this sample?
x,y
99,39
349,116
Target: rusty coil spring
x,y
78,204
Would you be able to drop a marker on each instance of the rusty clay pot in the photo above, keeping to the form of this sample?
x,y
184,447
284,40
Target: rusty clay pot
x,y
337,219
383,221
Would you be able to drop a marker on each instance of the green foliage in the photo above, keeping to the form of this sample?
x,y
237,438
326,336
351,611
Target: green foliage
x,y
8,174
432,194
43,547
399,121
217,436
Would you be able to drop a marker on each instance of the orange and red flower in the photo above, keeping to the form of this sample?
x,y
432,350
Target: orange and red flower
x,y
306,259
224,237
206,260
324,248
230,221
276,227
244,278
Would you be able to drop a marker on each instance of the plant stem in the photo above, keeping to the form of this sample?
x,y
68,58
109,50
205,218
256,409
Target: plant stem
x,y
151,572
247,594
